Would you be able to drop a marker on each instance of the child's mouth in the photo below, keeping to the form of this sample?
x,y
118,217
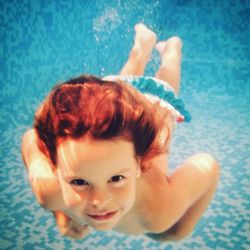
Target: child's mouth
x,y
104,216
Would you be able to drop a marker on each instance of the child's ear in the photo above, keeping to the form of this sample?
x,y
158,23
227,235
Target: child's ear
x,y
145,165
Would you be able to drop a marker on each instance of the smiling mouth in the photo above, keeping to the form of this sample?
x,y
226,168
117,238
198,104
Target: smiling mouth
x,y
101,217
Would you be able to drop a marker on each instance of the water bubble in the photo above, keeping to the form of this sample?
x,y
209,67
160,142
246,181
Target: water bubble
x,y
108,21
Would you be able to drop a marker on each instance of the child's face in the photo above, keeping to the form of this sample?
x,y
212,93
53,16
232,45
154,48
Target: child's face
x,y
98,180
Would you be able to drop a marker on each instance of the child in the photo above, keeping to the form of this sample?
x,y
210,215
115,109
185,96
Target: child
x,y
97,156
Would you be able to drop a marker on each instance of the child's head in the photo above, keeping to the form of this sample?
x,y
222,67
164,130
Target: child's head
x,y
94,133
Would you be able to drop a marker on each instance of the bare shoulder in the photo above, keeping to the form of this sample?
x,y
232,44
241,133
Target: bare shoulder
x,y
29,147
28,139
165,199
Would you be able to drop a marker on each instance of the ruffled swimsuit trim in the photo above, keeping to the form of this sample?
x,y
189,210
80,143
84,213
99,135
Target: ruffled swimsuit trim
x,y
158,90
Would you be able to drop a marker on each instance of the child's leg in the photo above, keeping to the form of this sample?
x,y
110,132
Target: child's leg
x,y
170,69
144,43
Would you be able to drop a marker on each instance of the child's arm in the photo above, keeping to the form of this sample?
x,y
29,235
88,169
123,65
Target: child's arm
x,y
42,179
46,188
70,228
186,196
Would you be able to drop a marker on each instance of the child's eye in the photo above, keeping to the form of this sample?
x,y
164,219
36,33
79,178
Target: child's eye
x,y
79,182
117,178
118,181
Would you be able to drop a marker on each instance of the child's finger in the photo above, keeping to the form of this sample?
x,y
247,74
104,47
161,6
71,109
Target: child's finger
x,y
78,232
75,232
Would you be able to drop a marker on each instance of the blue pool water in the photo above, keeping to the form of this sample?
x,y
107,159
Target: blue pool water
x,y
45,42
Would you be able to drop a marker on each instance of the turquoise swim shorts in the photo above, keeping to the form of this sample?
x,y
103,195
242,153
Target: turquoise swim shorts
x,y
157,90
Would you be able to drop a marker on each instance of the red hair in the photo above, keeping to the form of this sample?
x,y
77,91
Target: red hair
x,y
102,110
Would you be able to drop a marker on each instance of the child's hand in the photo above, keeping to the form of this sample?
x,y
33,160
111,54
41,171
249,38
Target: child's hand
x,y
74,230
70,228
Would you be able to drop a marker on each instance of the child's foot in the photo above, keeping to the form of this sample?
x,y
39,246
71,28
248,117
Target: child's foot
x,y
170,47
145,40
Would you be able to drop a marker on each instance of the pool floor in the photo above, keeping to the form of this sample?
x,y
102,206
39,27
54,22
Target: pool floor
x,y
46,42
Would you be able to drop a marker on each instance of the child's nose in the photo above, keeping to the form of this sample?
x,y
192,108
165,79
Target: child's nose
x,y
100,198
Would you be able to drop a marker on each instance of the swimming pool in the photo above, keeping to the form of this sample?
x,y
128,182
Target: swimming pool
x,y
45,42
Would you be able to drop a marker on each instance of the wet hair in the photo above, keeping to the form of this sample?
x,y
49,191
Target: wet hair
x,y
102,110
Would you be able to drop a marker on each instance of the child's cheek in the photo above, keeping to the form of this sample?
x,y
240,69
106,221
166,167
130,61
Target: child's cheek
x,y
126,196
71,197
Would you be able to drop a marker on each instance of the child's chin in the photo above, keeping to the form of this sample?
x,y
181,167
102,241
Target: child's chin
x,y
104,227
